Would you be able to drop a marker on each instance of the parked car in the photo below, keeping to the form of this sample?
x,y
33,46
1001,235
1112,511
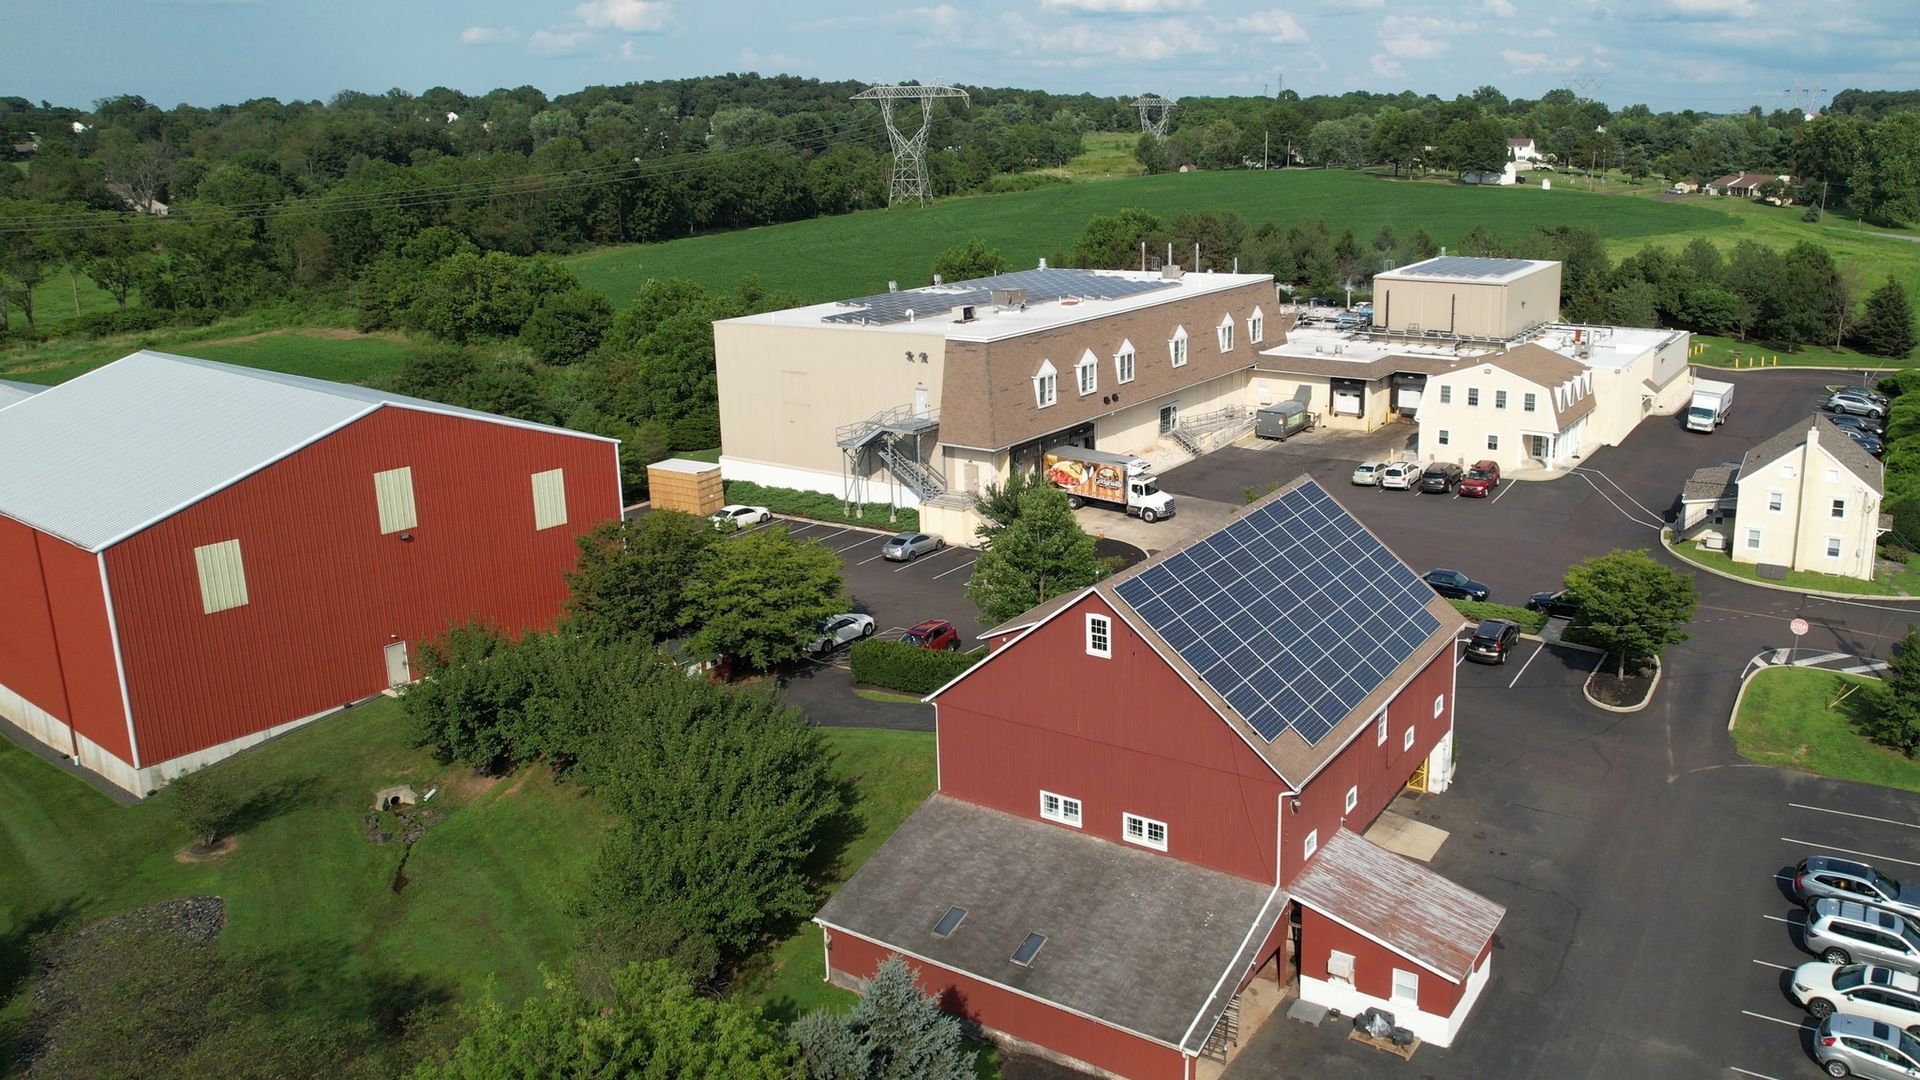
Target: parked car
x,y
1843,931
1877,993
1850,422
1367,473
1400,476
1440,477
840,629
1849,879
933,634
735,516
906,547
1455,585
1867,392
1868,441
1857,404
1559,604
1493,641
1481,479
1856,1046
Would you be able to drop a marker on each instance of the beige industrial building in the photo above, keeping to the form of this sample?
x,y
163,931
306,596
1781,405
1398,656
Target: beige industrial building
x,y
1473,351
921,397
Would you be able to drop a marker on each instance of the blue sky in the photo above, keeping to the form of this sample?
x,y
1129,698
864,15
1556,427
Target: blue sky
x,y
1716,55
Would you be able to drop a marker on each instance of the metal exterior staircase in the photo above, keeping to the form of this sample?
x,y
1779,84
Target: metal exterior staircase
x,y
893,436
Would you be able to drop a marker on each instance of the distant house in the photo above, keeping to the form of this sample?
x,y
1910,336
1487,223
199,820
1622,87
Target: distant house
x,y
1522,150
1809,499
79,127
1747,185
23,150
139,204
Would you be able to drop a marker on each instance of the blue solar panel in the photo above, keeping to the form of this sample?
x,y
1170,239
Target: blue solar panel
x,y
1041,286
1293,613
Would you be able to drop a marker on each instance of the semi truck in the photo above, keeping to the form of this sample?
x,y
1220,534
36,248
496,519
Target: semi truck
x,y
1711,401
1111,480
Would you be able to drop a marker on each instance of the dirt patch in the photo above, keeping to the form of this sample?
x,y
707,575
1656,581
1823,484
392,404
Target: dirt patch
x,y
199,853
471,785
325,333
519,782
1623,693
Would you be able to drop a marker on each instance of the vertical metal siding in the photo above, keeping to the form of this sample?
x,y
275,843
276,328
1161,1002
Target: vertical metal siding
x,y
85,643
327,591
1122,735
1022,1017
29,658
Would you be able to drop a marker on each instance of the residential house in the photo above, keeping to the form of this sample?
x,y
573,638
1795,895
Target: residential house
x,y
1707,502
1810,499
1748,185
1522,149
1526,405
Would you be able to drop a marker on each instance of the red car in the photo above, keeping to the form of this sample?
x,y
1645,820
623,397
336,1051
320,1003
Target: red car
x,y
933,634
1481,479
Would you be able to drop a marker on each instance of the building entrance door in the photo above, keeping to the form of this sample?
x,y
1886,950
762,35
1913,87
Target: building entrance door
x,y
920,402
1537,447
399,671
1169,418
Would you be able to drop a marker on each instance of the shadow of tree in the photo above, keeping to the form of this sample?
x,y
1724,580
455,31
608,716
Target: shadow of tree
x,y
274,800
1866,711
20,946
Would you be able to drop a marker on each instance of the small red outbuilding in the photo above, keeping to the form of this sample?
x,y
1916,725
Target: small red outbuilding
x,y
195,557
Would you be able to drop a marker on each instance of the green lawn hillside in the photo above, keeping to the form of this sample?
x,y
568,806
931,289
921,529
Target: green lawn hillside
x,y
856,254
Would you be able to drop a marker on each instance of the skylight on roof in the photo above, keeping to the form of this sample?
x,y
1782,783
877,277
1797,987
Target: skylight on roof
x,y
949,922
1028,949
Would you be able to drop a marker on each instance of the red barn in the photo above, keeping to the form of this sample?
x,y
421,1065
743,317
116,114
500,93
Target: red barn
x,y
196,557
1150,794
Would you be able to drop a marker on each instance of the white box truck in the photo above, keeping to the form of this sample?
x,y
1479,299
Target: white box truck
x,y
1708,409
1092,476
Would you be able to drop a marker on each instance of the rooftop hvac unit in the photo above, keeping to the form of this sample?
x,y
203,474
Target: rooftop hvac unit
x,y
966,313
1172,272
1009,298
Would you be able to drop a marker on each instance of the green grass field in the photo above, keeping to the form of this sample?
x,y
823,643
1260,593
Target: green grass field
x,y
317,352
1728,353
1104,155
54,298
1789,717
856,254
1905,583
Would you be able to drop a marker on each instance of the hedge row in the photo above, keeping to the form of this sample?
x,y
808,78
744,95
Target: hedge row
x,y
908,668
813,504
1530,621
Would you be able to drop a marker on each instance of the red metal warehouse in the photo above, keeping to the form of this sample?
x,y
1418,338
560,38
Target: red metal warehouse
x,y
195,557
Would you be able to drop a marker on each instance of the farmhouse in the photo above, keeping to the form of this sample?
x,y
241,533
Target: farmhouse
x,y
1809,499
1150,800
196,557
1474,351
1748,185
1522,149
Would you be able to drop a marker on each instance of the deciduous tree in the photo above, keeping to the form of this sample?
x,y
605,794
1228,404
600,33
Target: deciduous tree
x,y
632,577
1042,554
760,598
1630,605
973,259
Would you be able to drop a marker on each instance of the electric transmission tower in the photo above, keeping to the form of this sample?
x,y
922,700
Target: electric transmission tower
x,y
1807,99
1154,111
1585,86
909,177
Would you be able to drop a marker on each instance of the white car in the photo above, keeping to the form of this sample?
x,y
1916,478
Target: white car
x,y
735,516
1367,473
1868,990
839,630
1400,476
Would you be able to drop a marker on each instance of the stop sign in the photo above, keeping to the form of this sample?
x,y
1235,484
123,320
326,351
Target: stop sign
x,y
1799,627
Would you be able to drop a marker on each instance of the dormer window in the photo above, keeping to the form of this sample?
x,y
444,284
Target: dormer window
x,y
1086,373
1177,348
1123,363
1257,327
1046,385
1225,333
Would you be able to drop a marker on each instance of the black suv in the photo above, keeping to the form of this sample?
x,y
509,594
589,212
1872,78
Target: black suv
x,y
1493,641
1455,585
1440,477
1558,605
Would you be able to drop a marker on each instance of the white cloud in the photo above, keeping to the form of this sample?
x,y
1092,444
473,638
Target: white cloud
x,y
1414,47
1502,8
1387,67
944,20
559,42
1357,5
489,35
1121,7
1715,9
777,61
1275,25
628,52
627,16
1523,63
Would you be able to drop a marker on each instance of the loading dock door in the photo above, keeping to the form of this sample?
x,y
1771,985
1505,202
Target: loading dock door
x,y
1346,402
1406,398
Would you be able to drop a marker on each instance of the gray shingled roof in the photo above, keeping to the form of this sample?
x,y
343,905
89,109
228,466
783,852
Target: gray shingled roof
x,y
1831,439
1134,938
107,454
1711,483
1399,903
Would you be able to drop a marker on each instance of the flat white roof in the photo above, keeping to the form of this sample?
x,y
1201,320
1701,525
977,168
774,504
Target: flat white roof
x,y
683,465
1467,270
1609,347
1100,293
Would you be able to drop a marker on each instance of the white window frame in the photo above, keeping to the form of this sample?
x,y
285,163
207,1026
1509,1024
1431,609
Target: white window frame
x,y
1086,373
1256,327
1753,539
1406,741
1123,364
1493,442
1380,729
1046,386
1224,332
1310,845
1135,829
1100,636
1446,394
1776,501
1473,397
1177,347
1439,705
1446,437
1063,809
1353,799
1402,993
1499,399
1833,547
1837,509
1528,400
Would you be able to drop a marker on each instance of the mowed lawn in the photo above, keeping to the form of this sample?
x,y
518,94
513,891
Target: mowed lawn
x,y
856,254
317,352
1797,718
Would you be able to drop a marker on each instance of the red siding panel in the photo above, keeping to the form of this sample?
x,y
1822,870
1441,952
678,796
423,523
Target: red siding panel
x,y
1373,964
86,645
1122,735
1379,771
1021,1017
29,659
326,591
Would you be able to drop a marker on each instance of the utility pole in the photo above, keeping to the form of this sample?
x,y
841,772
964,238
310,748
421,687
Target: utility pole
x,y
1266,146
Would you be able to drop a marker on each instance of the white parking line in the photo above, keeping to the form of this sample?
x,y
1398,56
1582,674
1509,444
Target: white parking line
x,y
963,566
1530,660
850,547
1850,851
1776,967
1790,922
870,558
926,558
1502,493
1775,1019
1749,1072
829,536
1849,813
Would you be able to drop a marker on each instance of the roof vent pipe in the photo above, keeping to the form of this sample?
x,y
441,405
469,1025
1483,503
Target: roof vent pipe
x,y
1043,264
936,280
893,286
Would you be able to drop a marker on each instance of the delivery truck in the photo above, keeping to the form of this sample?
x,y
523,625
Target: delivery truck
x,y
1711,400
1091,476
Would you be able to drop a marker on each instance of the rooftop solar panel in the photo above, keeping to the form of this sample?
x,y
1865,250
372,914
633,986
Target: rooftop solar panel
x,y
1052,283
1297,636
1466,266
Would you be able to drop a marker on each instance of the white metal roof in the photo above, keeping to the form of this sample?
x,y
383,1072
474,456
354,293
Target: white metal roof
x,y
101,457
11,392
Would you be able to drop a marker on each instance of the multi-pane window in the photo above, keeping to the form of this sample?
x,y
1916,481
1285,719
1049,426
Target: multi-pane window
x,y
1753,539
1225,333
1087,372
1144,831
1406,986
1123,363
1060,808
1380,729
1499,399
1177,348
1776,500
1099,635
1446,395
1445,436
1493,442
1833,547
1046,385
1839,508
1473,396
1256,327
1528,400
